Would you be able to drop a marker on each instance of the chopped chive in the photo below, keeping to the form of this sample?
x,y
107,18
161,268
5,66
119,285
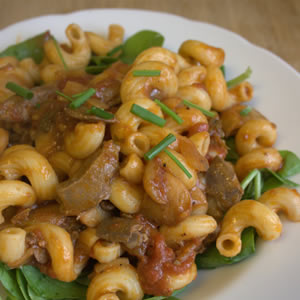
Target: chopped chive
x,y
169,139
19,90
169,111
95,69
59,53
222,68
257,185
147,115
38,105
78,95
239,79
114,50
204,111
64,95
84,97
101,113
245,111
248,178
178,163
147,73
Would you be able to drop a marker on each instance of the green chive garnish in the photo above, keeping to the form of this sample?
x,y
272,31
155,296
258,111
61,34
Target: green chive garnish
x,y
168,111
59,53
204,111
96,69
147,73
147,115
38,105
64,95
257,185
84,97
239,79
114,50
101,113
222,68
169,139
19,90
249,178
178,163
245,111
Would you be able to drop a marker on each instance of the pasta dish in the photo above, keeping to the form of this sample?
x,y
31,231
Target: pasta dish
x,y
125,167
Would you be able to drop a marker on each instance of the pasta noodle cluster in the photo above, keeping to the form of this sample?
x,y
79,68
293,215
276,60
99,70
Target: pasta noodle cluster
x,y
86,177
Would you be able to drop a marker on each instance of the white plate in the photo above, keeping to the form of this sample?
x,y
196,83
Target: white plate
x,y
274,271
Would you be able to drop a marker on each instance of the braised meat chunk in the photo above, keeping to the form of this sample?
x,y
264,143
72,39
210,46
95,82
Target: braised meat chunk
x,y
222,187
91,183
132,233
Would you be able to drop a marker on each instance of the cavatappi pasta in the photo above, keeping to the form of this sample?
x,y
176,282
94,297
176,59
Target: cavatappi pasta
x,y
117,163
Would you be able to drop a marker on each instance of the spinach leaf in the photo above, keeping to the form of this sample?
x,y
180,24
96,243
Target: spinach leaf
x,y
9,282
139,42
33,295
22,284
291,164
49,288
232,154
33,47
211,258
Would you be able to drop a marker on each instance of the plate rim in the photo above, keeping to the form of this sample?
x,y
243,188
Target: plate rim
x,y
183,18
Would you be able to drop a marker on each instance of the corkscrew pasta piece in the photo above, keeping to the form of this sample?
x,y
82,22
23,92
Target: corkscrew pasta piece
x,y
52,73
205,54
4,138
196,95
284,200
134,87
61,162
132,169
15,193
178,281
84,140
242,92
130,123
137,143
190,117
191,75
255,134
80,54
93,216
118,279
202,141
106,252
242,215
192,227
23,160
126,196
232,119
156,134
172,168
10,71
258,159
101,45
12,244
159,54
217,89
60,248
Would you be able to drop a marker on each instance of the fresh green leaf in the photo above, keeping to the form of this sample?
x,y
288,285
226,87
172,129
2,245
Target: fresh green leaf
x,y
49,288
33,295
232,154
139,42
291,165
33,47
279,179
222,68
9,282
211,258
22,284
